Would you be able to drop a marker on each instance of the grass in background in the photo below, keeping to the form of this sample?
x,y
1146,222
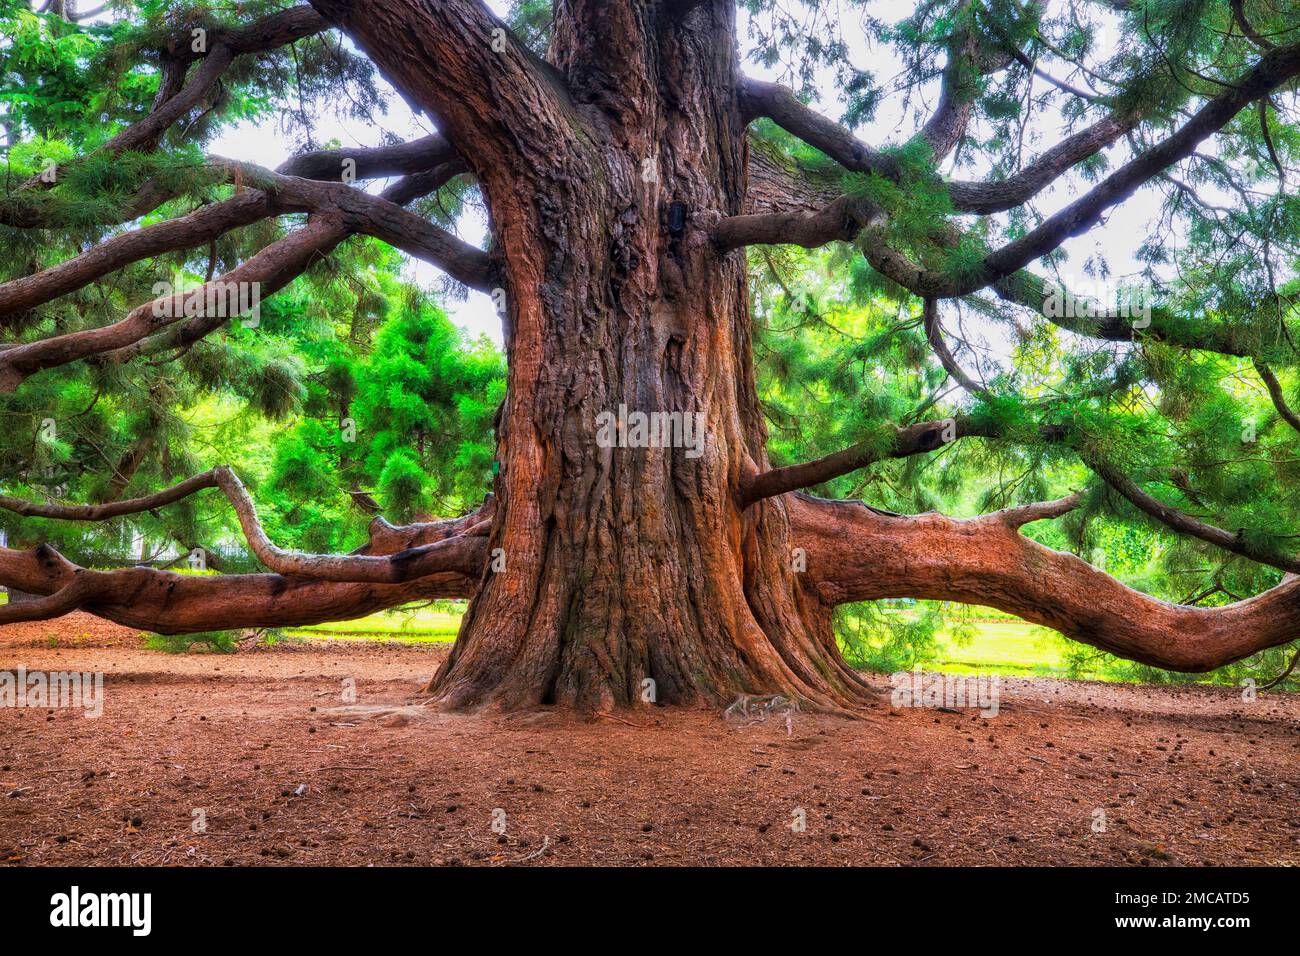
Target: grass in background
x,y
1010,647
434,624
1006,646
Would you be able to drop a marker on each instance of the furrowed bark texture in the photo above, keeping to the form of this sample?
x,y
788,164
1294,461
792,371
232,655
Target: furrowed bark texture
x,y
620,564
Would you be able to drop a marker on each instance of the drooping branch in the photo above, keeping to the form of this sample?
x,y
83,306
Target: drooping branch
x,y
463,553
1247,28
1236,543
934,335
987,562
112,509
398,565
781,106
185,232
1275,393
339,211
272,268
917,439
1171,517
1117,324
281,263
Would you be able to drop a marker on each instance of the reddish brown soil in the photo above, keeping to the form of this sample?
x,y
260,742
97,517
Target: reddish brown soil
x,y
1190,776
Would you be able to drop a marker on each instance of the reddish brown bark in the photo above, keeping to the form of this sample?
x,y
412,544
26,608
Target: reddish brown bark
x,y
621,564
855,554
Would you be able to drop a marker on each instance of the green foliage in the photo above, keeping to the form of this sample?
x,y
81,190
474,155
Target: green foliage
x,y
879,637
223,642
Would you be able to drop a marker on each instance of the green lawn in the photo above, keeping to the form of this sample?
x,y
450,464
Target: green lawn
x,y
422,626
1003,647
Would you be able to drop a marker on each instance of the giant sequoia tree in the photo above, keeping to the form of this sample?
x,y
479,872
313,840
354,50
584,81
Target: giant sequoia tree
x,y
632,172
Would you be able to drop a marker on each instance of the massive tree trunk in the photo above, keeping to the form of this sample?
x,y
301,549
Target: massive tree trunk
x,y
619,565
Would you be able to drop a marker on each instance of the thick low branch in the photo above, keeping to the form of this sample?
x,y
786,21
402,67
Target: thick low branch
x,y
926,437
856,554
169,603
68,598
461,553
397,566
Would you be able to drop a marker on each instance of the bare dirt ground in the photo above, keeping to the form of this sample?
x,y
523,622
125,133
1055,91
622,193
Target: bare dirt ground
x,y
262,747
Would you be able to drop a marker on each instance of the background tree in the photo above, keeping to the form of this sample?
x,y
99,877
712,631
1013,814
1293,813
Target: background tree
x,y
626,165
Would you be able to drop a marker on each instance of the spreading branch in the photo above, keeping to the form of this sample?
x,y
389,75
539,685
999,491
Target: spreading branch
x,y
987,562
338,211
1275,68
434,559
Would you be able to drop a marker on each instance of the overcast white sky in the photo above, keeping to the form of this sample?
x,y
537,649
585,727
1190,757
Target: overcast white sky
x,y
1119,236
